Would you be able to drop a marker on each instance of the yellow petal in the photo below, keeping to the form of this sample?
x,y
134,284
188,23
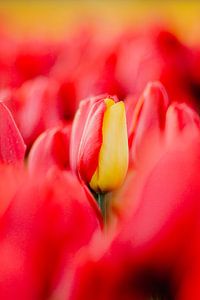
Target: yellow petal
x,y
113,156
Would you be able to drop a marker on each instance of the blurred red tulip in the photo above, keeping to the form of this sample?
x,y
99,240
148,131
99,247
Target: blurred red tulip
x,y
40,234
35,107
34,58
157,126
148,118
51,148
157,54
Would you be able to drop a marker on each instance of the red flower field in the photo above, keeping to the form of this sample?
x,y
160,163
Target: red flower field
x,y
99,163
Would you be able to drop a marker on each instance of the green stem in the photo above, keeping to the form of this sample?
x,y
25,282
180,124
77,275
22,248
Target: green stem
x,y
103,205
100,201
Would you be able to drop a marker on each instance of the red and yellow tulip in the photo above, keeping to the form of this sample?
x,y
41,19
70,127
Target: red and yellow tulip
x,y
99,143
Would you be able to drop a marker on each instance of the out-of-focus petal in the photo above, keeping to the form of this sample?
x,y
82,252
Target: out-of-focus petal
x,y
148,116
47,222
35,107
12,147
50,149
181,119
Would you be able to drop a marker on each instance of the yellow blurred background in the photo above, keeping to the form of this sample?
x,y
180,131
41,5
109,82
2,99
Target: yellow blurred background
x,y
54,18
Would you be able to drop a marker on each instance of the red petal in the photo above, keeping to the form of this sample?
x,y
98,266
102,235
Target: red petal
x,y
91,142
12,147
181,119
48,221
86,138
50,149
150,116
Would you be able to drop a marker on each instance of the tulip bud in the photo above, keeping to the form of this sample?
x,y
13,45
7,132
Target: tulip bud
x,y
148,120
51,149
100,155
181,120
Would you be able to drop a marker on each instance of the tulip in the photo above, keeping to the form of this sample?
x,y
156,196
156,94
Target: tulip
x,y
99,143
35,107
50,149
147,119
154,127
40,232
34,58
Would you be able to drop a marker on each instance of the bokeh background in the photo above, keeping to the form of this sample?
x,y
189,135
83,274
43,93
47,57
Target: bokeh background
x,y
54,53
55,18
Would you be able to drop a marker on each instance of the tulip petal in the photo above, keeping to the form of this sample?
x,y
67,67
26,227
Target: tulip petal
x,y
181,119
12,147
50,149
91,142
113,157
79,132
149,116
40,234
